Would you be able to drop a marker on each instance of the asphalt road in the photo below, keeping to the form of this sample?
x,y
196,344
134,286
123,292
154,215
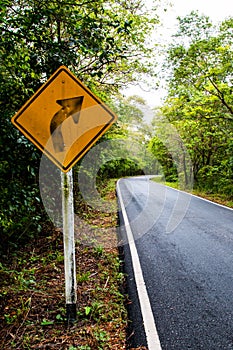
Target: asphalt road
x,y
185,249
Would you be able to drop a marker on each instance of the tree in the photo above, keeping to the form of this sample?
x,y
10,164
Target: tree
x,y
102,42
200,100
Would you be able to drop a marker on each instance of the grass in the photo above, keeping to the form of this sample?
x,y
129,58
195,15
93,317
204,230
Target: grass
x,y
32,314
32,311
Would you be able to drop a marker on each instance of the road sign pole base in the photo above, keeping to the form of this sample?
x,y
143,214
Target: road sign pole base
x,y
71,313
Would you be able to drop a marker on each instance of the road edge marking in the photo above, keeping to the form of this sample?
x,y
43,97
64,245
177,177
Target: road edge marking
x,y
202,198
151,332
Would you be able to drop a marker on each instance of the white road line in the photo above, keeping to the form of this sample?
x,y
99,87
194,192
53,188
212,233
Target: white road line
x,y
204,199
152,337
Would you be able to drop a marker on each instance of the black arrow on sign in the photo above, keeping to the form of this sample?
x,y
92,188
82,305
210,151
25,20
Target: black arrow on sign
x,y
71,107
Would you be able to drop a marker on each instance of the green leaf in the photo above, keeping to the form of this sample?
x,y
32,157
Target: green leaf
x,y
87,310
46,322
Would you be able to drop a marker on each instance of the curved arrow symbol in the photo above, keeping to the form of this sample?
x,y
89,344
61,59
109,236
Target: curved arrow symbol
x,y
71,107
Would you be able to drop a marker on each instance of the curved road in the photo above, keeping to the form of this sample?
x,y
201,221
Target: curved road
x,y
185,249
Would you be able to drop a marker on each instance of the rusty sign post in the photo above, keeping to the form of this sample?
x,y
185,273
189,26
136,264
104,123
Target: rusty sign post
x,y
64,119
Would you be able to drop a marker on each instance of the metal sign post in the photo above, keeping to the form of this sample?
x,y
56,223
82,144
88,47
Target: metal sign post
x,y
69,245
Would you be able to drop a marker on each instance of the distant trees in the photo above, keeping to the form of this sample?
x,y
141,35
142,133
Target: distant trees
x,y
200,101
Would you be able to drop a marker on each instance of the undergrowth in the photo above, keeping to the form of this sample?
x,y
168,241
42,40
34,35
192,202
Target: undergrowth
x,y
32,311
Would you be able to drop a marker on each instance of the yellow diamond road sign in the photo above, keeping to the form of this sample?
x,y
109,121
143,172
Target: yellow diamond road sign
x,y
64,119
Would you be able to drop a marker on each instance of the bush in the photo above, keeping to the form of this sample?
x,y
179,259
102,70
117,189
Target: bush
x,y
21,209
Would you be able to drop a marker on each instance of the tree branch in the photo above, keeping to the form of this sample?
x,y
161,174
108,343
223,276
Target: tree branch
x,y
219,95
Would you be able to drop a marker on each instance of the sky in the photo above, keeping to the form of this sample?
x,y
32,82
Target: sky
x,y
217,10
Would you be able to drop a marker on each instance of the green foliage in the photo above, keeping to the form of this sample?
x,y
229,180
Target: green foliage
x,y
199,102
164,158
20,203
83,277
119,168
97,40
46,322
102,338
128,110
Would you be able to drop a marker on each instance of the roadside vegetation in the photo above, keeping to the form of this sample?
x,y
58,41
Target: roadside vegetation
x,y
198,106
33,314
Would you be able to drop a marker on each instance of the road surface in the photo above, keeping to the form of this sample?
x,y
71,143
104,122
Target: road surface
x,y
184,246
